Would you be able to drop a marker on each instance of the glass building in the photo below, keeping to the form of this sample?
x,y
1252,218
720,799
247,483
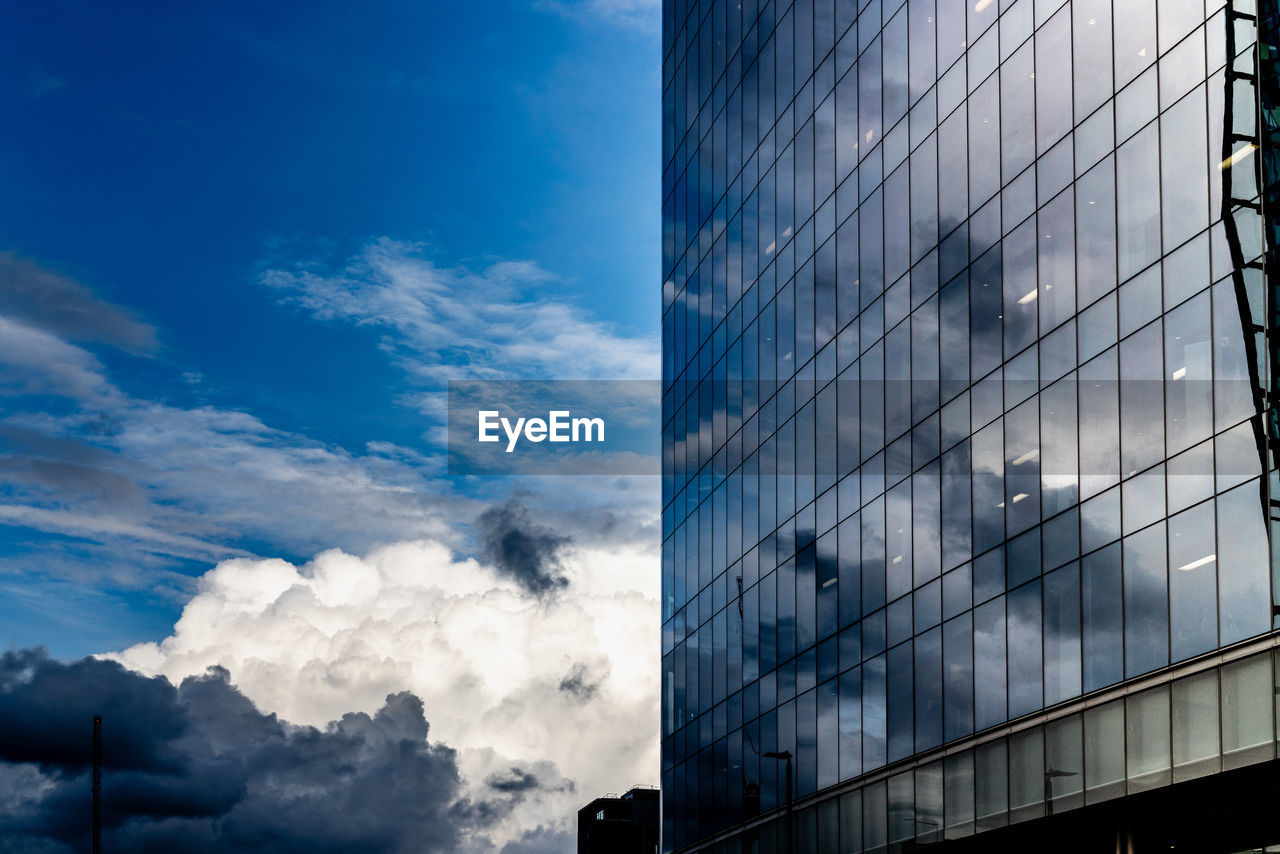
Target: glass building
x,y
968,440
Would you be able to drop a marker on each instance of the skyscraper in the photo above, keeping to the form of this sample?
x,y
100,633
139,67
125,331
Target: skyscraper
x,y
969,361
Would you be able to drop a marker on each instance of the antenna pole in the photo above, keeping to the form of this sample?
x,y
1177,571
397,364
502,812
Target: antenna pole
x,y
97,784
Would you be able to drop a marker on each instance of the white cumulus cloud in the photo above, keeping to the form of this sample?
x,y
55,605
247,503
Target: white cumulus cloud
x,y
559,687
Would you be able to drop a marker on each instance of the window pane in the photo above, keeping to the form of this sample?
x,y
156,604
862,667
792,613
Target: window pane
x,y
991,784
1064,754
1025,666
1184,160
1190,477
1188,374
1099,421
1100,520
1062,634
927,821
1096,232
928,693
984,142
828,734
1138,200
850,723
1026,774
1232,388
875,815
1246,711
959,795
1101,603
1053,80
1141,400
899,703
1146,628
1243,564
1135,37
989,660
873,713
1092,37
957,646
1017,100
1193,626
851,822
1195,726
901,807
1104,751
1147,738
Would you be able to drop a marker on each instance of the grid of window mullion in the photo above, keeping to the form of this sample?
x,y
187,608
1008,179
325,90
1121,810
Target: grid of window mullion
x,y
904,119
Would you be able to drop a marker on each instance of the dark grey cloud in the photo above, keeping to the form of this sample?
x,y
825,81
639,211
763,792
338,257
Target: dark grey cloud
x,y
579,682
66,308
522,549
197,768
514,780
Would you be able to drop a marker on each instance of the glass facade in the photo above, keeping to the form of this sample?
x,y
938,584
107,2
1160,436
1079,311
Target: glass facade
x,y
965,370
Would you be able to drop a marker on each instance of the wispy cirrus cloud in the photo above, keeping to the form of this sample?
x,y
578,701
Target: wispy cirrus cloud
x,y
130,479
134,480
452,322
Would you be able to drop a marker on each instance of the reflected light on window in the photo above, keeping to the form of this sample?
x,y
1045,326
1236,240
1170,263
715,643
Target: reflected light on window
x,y
1196,564
1020,496
1180,373
981,5
1026,458
1030,297
1240,154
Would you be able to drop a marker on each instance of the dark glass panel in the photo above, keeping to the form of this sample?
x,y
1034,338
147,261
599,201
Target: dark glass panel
x,y
1146,624
990,680
849,584
1062,634
957,591
874,746
957,645
900,703
850,723
1024,639
1101,598
873,567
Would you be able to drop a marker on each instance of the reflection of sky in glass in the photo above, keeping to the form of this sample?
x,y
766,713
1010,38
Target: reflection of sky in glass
x,y
979,258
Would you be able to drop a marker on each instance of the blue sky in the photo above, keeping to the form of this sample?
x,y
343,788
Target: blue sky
x,y
245,244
